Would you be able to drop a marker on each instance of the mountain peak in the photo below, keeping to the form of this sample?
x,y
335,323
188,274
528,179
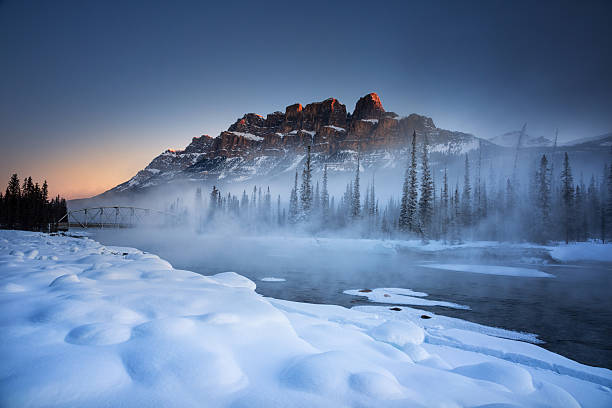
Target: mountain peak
x,y
368,107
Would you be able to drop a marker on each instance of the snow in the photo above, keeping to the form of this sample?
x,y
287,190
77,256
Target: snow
x,y
401,296
249,136
491,270
270,279
582,251
336,128
370,120
86,325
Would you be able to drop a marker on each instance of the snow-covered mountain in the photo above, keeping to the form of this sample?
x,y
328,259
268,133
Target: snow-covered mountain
x,y
269,150
257,146
510,139
601,141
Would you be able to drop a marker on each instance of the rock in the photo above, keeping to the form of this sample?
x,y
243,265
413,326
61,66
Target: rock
x,y
368,107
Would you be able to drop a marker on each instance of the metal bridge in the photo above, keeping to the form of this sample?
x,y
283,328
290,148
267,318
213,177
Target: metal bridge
x,y
115,217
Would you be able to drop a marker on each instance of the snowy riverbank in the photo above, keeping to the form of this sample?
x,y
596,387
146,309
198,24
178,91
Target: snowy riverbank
x,y
86,325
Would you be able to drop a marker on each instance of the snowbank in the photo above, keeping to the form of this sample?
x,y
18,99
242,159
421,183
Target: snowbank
x,y
86,325
582,251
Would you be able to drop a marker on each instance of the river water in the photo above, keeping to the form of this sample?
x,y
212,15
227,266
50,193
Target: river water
x,y
571,312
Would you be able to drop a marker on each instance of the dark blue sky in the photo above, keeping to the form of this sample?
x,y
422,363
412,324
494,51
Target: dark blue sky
x,y
91,91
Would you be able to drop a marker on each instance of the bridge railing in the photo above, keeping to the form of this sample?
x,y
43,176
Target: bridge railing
x,y
115,217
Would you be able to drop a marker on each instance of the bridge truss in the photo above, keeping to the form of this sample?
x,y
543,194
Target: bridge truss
x,y
116,217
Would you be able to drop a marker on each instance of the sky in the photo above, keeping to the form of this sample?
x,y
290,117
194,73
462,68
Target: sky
x,y
91,91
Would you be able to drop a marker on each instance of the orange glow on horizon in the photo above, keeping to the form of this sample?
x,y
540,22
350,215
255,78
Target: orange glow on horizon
x,y
75,175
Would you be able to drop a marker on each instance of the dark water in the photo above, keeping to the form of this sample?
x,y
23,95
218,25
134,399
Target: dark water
x,y
571,313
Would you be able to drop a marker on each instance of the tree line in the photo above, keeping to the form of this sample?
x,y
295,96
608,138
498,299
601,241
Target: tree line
x,y
27,206
548,206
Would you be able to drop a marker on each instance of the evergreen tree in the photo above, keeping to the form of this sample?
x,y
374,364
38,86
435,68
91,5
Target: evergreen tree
x,y
13,200
567,197
244,204
279,219
372,209
317,199
356,199
214,202
425,201
407,220
267,207
444,205
542,221
466,198
306,189
325,198
293,202
456,216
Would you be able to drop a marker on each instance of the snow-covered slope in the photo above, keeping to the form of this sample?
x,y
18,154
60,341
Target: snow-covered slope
x,y
604,141
510,139
84,325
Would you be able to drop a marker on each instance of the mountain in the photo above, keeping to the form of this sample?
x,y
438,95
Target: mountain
x,y
258,150
601,141
256,146
510,139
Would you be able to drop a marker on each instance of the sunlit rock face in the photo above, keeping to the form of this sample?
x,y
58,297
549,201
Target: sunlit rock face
x,y
325,126
368,107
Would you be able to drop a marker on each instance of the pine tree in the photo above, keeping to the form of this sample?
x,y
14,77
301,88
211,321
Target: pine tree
x,y
279,220
543,201
13,201
373,202
356,199
267,207
567,197
407,220
198,207
425,201
306,189
317,199
466,198
214,202
456,216
244,205
325,198
444,205
293,202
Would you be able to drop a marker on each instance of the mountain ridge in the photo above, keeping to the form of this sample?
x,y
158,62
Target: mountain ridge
x,y
334,134
274,146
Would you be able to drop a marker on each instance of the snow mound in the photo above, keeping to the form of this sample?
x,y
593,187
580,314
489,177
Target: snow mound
x,y
233,280
398,333
492,270
513,377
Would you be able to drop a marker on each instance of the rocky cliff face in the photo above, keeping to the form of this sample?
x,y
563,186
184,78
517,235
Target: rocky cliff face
x,y
263,146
